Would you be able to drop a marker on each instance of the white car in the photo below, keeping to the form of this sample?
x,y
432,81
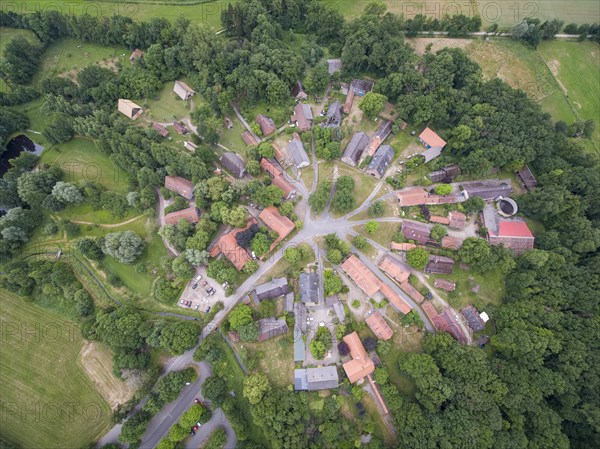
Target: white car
x,y
198,277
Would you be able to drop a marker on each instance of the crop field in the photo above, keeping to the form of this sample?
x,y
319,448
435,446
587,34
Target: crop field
x,y
47,399
81,160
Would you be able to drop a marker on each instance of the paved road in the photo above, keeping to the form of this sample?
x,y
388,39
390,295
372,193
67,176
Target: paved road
x,y
244,122
218,420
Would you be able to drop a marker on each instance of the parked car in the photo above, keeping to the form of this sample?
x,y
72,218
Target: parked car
x,y
204,283
181,303
199,424
197,401
208,290
207,310
198,277
197,306
194,286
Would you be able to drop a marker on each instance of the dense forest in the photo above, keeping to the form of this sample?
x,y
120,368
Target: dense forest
x,y
538,387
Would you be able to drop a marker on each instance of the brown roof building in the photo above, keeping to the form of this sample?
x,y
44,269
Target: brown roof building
x,y
298,91
277,222
433,143
411,291
439,220
402,246
360,365
183,91
164,132
233,163
458,220
445,321
395,299
181,129
379,326
271,328
394,268
412,196
267,126
190,215
355,148
440,265
228,246
302,116
451,243
278,178
280,155
444,284
129,109
349,100
248,138
180,186
135,55
514,235
361,275
416,231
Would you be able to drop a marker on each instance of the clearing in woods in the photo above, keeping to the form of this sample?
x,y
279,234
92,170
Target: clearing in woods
x,y
47,399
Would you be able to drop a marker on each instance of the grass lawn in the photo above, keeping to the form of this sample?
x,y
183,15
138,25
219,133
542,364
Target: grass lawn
x,y
166,106
576,66
81,160
363,184
308,177
52,403
274,357
8,34
84,212
38,120
232,138
491,288
68,55
384,234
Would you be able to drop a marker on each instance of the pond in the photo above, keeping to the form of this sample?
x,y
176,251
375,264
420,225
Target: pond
x,y
15,147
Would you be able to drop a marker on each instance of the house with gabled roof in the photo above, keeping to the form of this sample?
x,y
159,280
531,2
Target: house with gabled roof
x,y
413,230
160,129
380,162
361,364
526,178
297,152
283,226
267,126
183,91
234,164
394,268
273,289
309,288
474,319
181,129
180,186
278,177
313,379
334,115
228,246
432,142
249,138
378,325
302,116
444,284
439,264
355,148
361,275
190,215
129,109
298,91
270,328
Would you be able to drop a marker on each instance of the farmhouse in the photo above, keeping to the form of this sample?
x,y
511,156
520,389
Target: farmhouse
x,y
348,102
402,246
234,164
271,328
444,284
136,55
412,196
513,234
394,268
440,265
451,243
302,116
334,115
183,91
313,379
381,161
160,129
395,299
411,291
181,129
360,365
379,326
355,148
190,215
380,135
283,226
361,87
278,178
277,287
180,186
129,109
309,288
433,143
439,220
281,156
526,179
446,321
338,308
297,152
488,189
267,126
416,231
458,220
473,318
249,138
298,91
444,174
228,246
361,275
334,65
288,303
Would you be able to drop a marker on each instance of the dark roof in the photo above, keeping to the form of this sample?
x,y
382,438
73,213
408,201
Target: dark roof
x,y
334,114
179,185
297,152
444,174
488,189
413,230
381,161
160,129
180,128
361,87
234,164
277,287
309,287
526,178
472,316
288,303
298,91
355,148
439,264
322,378
190,215
267,126
271,328
384,129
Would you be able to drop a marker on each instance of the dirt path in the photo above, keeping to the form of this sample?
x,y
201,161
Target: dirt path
x,y
114,225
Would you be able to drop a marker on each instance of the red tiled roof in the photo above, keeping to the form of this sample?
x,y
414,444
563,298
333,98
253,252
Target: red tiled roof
x,y
360,365
440,220
444,284
394,268
190,215
412,196
514,229
227,245
160,129
248,138
451,243
402,246
277,222
349,100
379,326
373,145
411,291
431,138
361,275
395,299
180,185
278,177
458,220
266,124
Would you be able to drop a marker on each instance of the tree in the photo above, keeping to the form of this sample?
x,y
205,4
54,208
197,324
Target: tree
x,y
320,77
134,427
360,241
67,192
443,189
438,232
256,387
417,258
343,348
213,389
177,433
474,204
182,268
251,266
332,284
371,227
126,246
292,255
286,209
248,332
261,243
266,150
372,104
240,316
377,209
253,168
588,128
196,257
266,308
235,217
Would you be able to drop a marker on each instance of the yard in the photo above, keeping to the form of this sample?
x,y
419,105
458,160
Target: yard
x,y
166,106
363,184
384,234
47,398
232,138
81,160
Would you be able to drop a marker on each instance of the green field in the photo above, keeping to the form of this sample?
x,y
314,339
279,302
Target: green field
x,y
576,65
7,34
68,55
47,399
81,160
166,106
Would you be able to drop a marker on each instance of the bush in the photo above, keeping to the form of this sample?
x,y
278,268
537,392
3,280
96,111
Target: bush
x,y
50,229
417,258
321,343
